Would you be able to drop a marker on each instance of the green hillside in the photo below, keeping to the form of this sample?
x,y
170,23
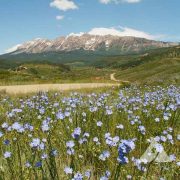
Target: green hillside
x,y
157,67
51,73
160,66
161,71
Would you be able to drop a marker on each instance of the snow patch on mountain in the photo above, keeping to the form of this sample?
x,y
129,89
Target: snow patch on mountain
x,y
76,34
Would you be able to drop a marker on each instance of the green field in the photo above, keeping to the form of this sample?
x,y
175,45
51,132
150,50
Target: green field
x,y
158,67
45,73
99,134
161,72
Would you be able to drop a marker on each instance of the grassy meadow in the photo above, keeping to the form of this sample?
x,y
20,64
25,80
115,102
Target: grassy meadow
x,y
49,74
165,71
93,134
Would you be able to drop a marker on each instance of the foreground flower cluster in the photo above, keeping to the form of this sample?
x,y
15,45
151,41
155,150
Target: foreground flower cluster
x,y
90,136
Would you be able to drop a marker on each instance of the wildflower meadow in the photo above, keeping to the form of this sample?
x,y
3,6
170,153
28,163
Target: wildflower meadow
x,y
91,136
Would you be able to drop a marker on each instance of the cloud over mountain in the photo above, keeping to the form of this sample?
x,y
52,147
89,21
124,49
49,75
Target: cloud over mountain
x,y
14,48
122,31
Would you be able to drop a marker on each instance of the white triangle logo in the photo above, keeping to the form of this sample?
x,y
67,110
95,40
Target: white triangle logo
x,y
155,152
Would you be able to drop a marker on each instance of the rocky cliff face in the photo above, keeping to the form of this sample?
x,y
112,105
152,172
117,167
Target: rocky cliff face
x,y
89,42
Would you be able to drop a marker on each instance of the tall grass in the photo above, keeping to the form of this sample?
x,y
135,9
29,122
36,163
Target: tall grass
x,y
27,89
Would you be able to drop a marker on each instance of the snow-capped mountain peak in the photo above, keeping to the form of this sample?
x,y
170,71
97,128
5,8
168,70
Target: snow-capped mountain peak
x,y
91,41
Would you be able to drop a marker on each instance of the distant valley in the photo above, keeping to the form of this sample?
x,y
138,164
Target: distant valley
x,y
91,58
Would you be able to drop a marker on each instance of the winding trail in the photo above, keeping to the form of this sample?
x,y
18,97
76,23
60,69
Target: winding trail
x,y
112,77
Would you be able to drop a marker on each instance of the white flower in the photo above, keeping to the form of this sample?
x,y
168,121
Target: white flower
x,y
129,177
44,156
70,151
104,155
95,139
87,174
159,148
84,114
109,111
80,156
107,135
116,139
70,144
86,134
169,136
157,120
7,154
172,157
99,123
44,140
163,138
157,138
42,146
67,114
120,126
45,127
27,164
170,129
76,133
39,117
35,142
1,134
107,173
68,170
166,118
78,176
142,129
4,125
16,126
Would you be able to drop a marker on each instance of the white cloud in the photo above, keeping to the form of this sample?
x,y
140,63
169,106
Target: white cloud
x,y
123,31
63,5
119,1
59,17
12,49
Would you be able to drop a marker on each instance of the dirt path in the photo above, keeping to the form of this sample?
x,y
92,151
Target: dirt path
x,y
112,77
23,89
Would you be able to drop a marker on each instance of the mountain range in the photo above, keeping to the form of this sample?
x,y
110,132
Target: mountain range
x,y
107,44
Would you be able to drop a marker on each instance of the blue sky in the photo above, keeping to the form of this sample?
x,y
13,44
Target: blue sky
x,y
23,20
